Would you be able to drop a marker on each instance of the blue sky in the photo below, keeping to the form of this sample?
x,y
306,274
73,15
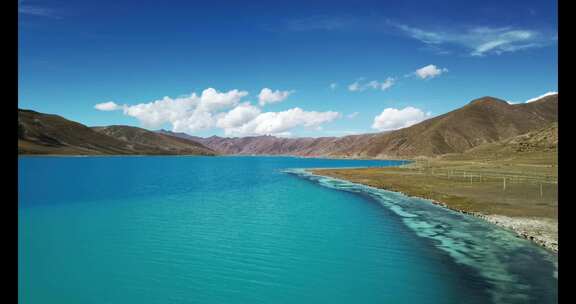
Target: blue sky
x,y
333,68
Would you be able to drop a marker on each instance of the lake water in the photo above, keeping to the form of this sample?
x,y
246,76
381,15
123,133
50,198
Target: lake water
x,y
254,230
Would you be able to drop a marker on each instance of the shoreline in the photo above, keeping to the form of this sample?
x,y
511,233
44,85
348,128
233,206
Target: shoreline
x,y
523,227
228,155
518,225
112,155
405,160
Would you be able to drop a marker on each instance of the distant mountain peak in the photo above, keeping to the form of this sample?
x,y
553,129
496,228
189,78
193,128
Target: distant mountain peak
x,y
487,100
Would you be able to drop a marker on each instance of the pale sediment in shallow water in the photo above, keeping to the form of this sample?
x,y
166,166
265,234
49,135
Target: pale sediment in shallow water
x,y
539,230
497,255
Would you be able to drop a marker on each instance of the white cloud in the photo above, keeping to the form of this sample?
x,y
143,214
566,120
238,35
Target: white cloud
x,y
333,86
392,119
212,100
192,113
533,99
238,116
429,71
280,123
195,121
188,113
357,86
267,96
386,84
541,96
158,112
480,41
107,106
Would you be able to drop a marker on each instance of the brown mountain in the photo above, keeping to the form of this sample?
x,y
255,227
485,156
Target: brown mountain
x,y
271,145
484,120
166,144
40,133
541,142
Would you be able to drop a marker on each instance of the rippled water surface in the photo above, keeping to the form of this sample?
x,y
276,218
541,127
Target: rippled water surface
x,y
254,230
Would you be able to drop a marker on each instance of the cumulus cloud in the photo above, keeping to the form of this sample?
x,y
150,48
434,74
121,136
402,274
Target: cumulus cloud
x,y
267,96
238,116
430,71
358,86
392,119
541,96
212,100
280,123
107,106
186,114
197,120
213,109
154,114
480,41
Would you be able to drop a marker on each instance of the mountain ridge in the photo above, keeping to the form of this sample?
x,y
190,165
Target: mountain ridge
x,y
481,121
153,140
49,134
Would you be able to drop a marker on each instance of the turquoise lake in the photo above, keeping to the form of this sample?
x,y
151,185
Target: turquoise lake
x,y
254,230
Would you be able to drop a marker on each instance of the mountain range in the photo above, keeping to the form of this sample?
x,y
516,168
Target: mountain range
x,y
483,121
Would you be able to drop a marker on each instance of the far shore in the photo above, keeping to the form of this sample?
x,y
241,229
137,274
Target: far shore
x,y
220,155
110,155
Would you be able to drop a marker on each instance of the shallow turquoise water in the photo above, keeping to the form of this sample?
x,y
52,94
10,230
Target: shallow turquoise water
x,y
251,230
